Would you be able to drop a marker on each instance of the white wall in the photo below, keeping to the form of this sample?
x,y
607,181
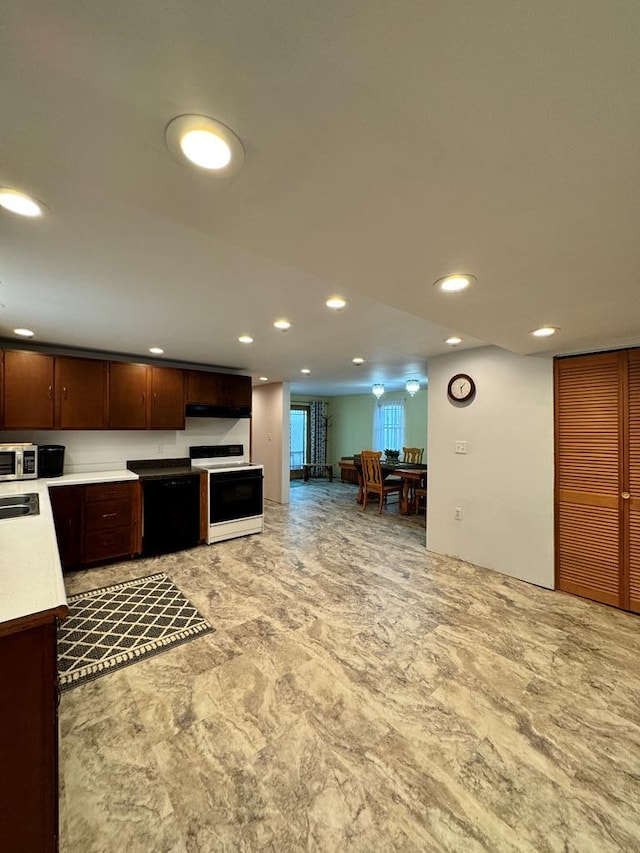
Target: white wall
x,y
270,438
504,484
104,450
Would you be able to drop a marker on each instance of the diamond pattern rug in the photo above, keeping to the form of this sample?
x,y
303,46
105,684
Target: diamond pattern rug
x,y
117,625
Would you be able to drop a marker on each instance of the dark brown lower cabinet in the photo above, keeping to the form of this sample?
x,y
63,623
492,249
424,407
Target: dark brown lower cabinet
x,y
29,736
597,455
98,522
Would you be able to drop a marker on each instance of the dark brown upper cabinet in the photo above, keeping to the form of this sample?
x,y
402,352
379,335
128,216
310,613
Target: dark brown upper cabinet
x,y
202,387
218,389
28,390
167,398
128,395
81,393
235,390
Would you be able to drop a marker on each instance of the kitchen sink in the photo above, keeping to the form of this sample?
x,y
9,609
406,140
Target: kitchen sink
x,y
13,506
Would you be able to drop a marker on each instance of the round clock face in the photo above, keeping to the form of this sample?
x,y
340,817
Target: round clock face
x,y
461,387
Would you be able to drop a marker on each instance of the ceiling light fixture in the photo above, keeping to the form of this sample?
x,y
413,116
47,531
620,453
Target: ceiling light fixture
x,y
377,390
264,379
245,339
412,387
24,333
206,143
305,370
156,350
454,283
358,360
283,325
453,341
544,331
336,302
20,203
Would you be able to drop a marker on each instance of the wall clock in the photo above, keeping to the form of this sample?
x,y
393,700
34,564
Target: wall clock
x,y
461,388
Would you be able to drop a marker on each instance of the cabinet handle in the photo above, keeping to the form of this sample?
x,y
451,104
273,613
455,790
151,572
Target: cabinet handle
x,y
64,393
109,514
50,394
144,396
625,496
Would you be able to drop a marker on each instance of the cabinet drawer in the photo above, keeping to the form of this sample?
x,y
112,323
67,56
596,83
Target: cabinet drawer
x,y
100,515
107,491
104,544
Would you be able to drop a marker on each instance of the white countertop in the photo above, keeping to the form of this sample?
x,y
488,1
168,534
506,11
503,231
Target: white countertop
x,y
30,572
83,478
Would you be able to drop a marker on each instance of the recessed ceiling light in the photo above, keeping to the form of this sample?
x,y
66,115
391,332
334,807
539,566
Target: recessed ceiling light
x,y
336,302
453,341
20,203
24,333
245,339
206,143
544,331
264,379
358,360
453,283
283,325
305,370
156,350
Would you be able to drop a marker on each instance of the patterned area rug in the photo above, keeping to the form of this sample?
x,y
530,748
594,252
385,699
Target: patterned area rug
x,y
117,625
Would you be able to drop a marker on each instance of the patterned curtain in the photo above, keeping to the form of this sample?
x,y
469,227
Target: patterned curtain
x,y
318,423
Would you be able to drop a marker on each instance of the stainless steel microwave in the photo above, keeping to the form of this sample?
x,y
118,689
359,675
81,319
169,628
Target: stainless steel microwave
x,y
18,461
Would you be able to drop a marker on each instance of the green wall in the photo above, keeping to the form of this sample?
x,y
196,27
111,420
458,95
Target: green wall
x,y
352,422
351,428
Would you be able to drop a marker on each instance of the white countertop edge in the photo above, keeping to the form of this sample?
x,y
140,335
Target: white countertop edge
x,y
81,478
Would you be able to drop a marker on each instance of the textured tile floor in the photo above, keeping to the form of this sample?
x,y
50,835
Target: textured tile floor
x,y
359,694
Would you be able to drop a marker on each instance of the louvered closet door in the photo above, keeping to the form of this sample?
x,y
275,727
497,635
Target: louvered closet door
x,y
588,476
634,480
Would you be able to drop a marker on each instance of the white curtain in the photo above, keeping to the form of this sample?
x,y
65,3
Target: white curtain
x,y
388,425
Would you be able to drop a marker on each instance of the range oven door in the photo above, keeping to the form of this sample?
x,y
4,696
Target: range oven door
x,y
235,495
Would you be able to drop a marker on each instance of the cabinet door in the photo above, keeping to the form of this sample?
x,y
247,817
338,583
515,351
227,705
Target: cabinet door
x,y
236,390
81,393
66,503
202,387
167,398
127,395
29,740
28,390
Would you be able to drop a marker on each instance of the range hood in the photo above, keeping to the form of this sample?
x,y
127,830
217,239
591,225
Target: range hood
x,y
204,410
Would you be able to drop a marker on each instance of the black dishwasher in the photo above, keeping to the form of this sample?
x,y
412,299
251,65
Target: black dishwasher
x,y
171,513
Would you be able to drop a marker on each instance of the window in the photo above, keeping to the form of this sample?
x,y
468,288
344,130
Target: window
x,y
388,425
299,437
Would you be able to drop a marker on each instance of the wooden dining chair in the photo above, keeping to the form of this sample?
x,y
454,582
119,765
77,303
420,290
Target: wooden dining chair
x,y
373,480
421,499
412,454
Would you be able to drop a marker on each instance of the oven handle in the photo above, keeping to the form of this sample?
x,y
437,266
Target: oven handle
x,y
235,477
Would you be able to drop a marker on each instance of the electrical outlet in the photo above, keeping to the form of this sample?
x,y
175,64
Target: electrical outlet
x,y
461,446
458,514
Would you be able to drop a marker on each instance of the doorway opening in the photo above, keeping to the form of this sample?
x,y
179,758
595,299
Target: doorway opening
x,y
299,440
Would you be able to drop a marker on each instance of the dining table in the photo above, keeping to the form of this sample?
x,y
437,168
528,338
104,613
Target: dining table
x,y
413,474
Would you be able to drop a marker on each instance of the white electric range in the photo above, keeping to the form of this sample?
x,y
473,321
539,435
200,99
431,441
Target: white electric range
x,y
235,505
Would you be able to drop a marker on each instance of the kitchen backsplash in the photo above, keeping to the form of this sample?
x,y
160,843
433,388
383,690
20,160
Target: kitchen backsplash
x,y
109,450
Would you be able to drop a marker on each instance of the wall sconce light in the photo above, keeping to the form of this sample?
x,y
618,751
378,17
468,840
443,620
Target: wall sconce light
x,y
412,386
377,390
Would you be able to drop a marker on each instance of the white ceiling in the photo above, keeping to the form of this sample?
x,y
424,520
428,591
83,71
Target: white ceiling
x,y
387,144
